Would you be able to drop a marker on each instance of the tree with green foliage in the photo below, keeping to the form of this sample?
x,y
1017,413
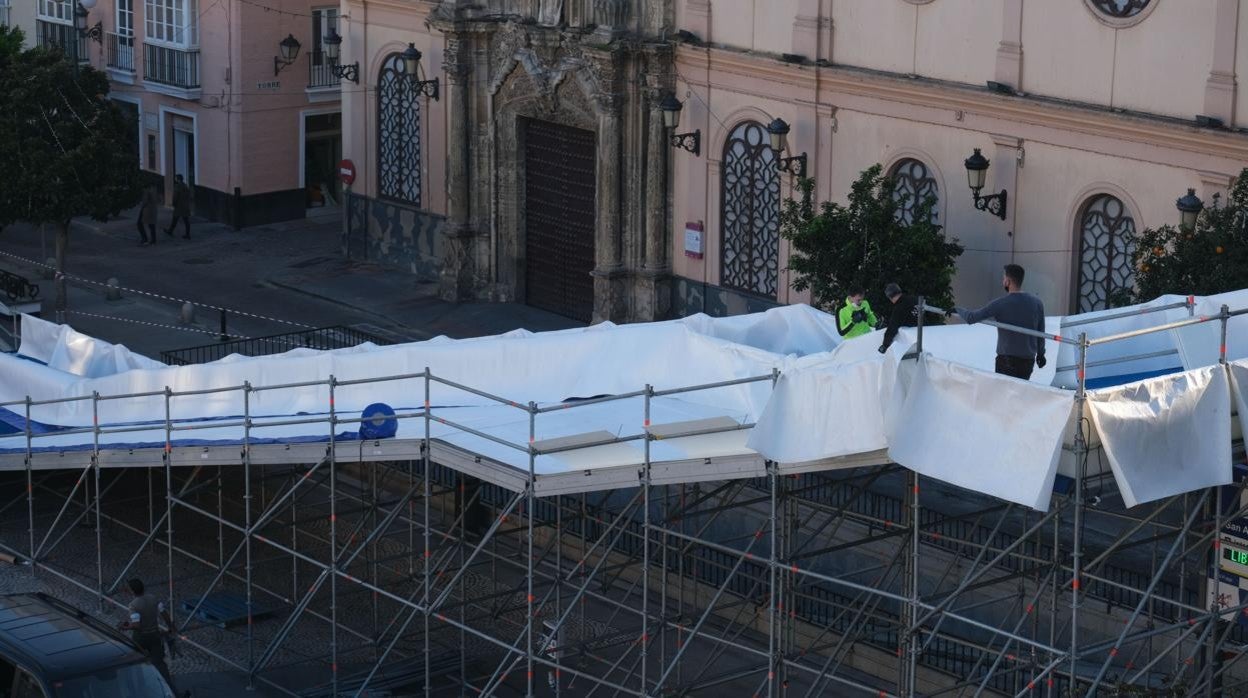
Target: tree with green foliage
x,y
866,244
1210,258
66,149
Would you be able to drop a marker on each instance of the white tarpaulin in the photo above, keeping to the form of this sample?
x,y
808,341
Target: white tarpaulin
x,y
1167,435
545,367
791,329
1159,349
855,387
65,349
843,396
1238,371
1200,345
985,432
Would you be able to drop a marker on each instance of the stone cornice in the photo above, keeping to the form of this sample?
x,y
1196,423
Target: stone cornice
x,y
777,80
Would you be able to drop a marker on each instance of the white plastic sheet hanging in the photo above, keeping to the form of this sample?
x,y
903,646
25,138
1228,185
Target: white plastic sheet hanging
x,y
982,431
1168,435
1238,371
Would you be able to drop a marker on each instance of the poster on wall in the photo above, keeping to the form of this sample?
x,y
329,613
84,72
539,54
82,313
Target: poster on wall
x,y
693,239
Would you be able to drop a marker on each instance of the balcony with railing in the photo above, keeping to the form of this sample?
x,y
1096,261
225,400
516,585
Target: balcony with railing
x,y
171,70
4,13
320,71
62,36
119,52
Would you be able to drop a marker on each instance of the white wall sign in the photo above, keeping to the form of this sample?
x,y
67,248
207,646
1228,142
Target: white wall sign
x,y
693,240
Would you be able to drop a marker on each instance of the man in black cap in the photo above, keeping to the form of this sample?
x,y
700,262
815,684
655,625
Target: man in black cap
x,y
1016,352
904,313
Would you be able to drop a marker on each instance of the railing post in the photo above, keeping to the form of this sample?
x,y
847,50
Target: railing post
x,y
921,307
1226,316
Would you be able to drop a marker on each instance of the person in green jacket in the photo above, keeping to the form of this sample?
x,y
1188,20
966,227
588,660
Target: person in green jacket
x,y
855,317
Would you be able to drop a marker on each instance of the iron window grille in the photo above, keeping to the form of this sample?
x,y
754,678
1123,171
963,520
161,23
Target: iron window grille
x,y
398,134
1120,9
913,184
1105,252
750,212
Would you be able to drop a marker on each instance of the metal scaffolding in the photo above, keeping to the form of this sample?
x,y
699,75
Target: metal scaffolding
x,y
366,566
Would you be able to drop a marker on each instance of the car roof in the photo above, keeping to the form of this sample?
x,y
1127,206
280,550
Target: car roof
x,y
57,641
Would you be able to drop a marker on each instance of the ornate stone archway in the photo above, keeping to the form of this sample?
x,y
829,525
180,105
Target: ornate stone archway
x,y
575,79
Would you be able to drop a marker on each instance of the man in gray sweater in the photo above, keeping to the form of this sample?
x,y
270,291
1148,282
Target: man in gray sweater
x,y
1016,352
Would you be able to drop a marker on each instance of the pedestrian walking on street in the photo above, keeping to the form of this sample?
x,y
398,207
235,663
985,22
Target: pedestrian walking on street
x,y
1016,352
855,318
149,212
144,626
181,208
904,313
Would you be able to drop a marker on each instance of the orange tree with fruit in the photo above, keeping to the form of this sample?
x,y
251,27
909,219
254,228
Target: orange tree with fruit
x,y
1210,257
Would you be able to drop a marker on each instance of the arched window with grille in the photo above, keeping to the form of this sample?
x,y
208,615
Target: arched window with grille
x,y
914,183
750,212
1105,227
398,134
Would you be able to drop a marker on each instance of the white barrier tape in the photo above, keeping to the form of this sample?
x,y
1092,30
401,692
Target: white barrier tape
x,y
241,313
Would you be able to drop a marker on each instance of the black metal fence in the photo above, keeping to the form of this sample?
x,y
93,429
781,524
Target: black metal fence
x,y
336,337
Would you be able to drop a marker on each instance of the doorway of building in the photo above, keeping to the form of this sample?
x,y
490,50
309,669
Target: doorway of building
x,y
322,150
559,215
184,155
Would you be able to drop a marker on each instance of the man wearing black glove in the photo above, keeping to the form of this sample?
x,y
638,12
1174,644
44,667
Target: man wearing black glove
x,y
1016,352
855,318
904,313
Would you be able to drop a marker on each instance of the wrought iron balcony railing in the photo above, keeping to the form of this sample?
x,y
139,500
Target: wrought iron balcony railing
x,y
320,71
175,67
119,51
62,36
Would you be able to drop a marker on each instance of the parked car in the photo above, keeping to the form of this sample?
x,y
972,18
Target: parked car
x,y
49,649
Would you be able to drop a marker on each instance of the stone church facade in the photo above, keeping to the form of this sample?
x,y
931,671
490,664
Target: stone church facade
x,y
553,189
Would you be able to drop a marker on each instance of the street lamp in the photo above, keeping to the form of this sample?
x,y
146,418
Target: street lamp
x,y
333,46
671,107
81,10
1189,207
778,131
289,49
976,176
411,66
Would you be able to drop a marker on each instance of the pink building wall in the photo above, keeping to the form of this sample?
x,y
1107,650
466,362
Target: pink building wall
x,y
247,130
922,94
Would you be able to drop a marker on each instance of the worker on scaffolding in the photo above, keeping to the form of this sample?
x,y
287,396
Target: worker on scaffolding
x,y
855,317
1016,352
903,314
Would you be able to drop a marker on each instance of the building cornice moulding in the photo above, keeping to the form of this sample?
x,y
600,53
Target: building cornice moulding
x,y
773,77
421,8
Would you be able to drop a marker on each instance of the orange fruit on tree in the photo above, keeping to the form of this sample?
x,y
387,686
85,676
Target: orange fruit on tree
x,y
1218,249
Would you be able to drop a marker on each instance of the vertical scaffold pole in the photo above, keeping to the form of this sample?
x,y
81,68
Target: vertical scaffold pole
x,y
246,454
428,554
333,538
169,502
95,463
1081,473
645,548
30,489
912,652
773,602
530,505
